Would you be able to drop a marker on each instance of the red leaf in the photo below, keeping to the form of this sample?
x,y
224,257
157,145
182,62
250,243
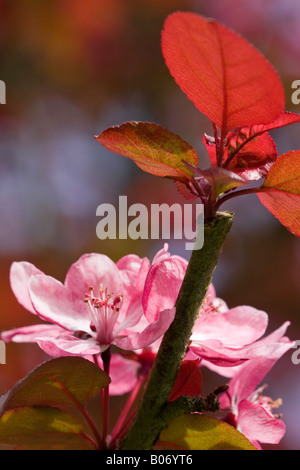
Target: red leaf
x,y
284,119
186,191
221,73
244,135
153,148
281,191
189,380
252,160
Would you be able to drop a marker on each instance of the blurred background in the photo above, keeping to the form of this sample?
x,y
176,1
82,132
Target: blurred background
x,y
74,68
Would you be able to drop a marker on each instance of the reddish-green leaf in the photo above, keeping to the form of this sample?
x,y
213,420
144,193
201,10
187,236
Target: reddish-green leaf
x,y
221,180
43,428
221,73
186,190
61,381
198,432
281,191
153,148
189,380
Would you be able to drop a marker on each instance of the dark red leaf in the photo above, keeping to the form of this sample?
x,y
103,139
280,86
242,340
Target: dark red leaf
x,y
189,380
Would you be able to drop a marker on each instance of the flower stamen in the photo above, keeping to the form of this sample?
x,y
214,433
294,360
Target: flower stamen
x,y
104,311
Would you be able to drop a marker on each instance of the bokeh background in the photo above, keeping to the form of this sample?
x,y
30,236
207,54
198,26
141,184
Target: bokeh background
x,y
73,68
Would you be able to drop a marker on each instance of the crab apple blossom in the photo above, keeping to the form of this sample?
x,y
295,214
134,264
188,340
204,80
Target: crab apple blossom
x,y
249,410
98,305
221,336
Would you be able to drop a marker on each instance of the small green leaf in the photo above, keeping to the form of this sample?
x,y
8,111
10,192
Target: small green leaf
x,y
61,381
43,428
198,432
153,148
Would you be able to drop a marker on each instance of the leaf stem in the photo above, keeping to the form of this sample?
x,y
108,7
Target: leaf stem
x,y
125,411
106,356
240,192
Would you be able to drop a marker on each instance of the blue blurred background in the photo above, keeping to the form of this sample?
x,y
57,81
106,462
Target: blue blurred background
x,y
73,68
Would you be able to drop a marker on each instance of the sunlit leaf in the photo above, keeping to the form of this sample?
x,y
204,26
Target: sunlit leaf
x,y
281,191
284,119
61,381
153,148
198,432
225,77
43,428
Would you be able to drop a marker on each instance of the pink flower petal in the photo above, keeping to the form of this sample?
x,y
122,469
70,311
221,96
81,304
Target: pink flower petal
x,y
28,334
129,263
267,350
214,351
161,254
20,273
235,328
132,316
150,334
93,270
162,286
258,424
134,285
68,345
55,303
248,377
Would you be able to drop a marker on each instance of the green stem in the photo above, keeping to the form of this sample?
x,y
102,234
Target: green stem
x,y
185,404
106,356
148,421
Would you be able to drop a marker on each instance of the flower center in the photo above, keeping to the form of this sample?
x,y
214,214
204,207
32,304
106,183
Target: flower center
x,y
104,311
266,402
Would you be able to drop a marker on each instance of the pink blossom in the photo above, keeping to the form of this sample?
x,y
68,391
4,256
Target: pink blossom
x,y
248,409
98,305
226,338
221,337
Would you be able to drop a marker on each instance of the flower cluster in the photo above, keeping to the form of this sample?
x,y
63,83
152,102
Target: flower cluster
x,y
126,307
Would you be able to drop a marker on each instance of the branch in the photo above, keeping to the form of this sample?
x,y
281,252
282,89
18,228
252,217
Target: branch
x,y
147,424
185,404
